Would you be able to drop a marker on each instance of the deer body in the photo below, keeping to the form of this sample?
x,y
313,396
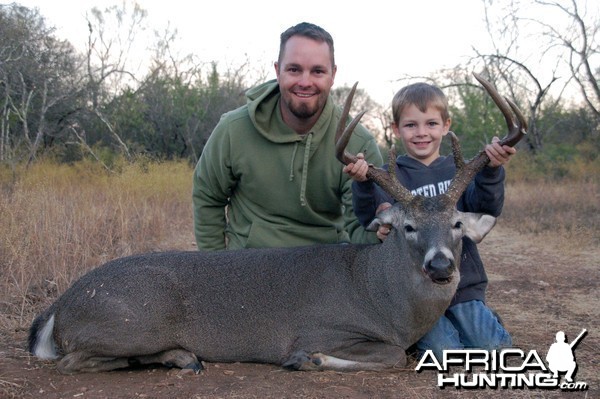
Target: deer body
x,y
259,305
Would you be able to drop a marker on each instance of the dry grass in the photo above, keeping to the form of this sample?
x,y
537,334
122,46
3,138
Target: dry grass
x,y
558,201
59,221
565,212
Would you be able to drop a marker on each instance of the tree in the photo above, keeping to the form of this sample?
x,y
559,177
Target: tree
x,y
580,42
111,39
40,85
564,52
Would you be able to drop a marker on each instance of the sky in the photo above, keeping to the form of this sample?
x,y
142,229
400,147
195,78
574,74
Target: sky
x,y
376,42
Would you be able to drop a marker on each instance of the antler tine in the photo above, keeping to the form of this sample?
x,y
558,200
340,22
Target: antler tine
x,y
517,128
343,132
465,172
512,140
387,180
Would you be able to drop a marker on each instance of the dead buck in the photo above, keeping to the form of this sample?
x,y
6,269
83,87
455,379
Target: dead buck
x,y
338,307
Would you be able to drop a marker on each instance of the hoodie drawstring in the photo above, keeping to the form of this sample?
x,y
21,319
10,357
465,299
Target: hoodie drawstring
x,y
292,163
304,167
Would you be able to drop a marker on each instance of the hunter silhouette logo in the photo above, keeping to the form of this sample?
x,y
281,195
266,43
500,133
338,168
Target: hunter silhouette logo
x,y
508,368
560,356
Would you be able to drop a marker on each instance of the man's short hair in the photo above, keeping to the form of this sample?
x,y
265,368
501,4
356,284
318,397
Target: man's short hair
x,y
308,30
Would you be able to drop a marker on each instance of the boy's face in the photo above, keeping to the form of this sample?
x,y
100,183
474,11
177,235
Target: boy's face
x,y
421,132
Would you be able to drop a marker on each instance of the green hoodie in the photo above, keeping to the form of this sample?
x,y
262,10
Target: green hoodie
x,y
280,189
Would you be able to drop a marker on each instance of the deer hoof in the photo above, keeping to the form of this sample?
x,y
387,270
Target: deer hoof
x,y
196,367
301,360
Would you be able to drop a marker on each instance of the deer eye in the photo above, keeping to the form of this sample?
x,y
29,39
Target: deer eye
x,y
458,225
409,229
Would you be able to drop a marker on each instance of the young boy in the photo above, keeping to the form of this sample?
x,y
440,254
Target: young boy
x,y
421,120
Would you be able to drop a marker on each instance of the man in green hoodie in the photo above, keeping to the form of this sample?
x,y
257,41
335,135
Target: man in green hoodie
x,y
268,176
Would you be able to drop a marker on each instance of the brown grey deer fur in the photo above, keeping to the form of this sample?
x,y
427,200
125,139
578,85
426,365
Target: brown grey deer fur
x,y
340,307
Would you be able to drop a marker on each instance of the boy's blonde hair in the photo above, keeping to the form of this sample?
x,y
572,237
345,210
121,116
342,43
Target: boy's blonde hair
x,y
422,95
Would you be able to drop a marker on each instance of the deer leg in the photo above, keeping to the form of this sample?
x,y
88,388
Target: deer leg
x,y
172,358
371,356
86,362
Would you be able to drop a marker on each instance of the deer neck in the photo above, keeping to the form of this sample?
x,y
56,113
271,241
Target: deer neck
x,y
401,293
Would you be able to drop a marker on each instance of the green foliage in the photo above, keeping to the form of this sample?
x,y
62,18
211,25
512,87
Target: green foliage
x,y
168,118
569,126
557,163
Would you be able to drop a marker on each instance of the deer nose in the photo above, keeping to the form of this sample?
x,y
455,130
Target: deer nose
x,y
440,268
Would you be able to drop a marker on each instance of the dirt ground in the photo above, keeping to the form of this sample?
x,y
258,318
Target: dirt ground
x,y
537,287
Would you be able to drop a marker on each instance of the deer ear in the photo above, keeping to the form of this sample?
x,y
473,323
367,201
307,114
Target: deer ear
x,y
477,225
389,216
374,225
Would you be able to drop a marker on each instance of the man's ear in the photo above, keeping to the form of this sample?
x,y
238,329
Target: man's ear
x,y
276,66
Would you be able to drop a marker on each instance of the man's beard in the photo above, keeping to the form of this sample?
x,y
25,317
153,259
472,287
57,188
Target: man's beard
x,y
302,110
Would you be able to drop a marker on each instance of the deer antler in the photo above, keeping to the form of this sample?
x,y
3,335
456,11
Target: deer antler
x,y
385,179
517,128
